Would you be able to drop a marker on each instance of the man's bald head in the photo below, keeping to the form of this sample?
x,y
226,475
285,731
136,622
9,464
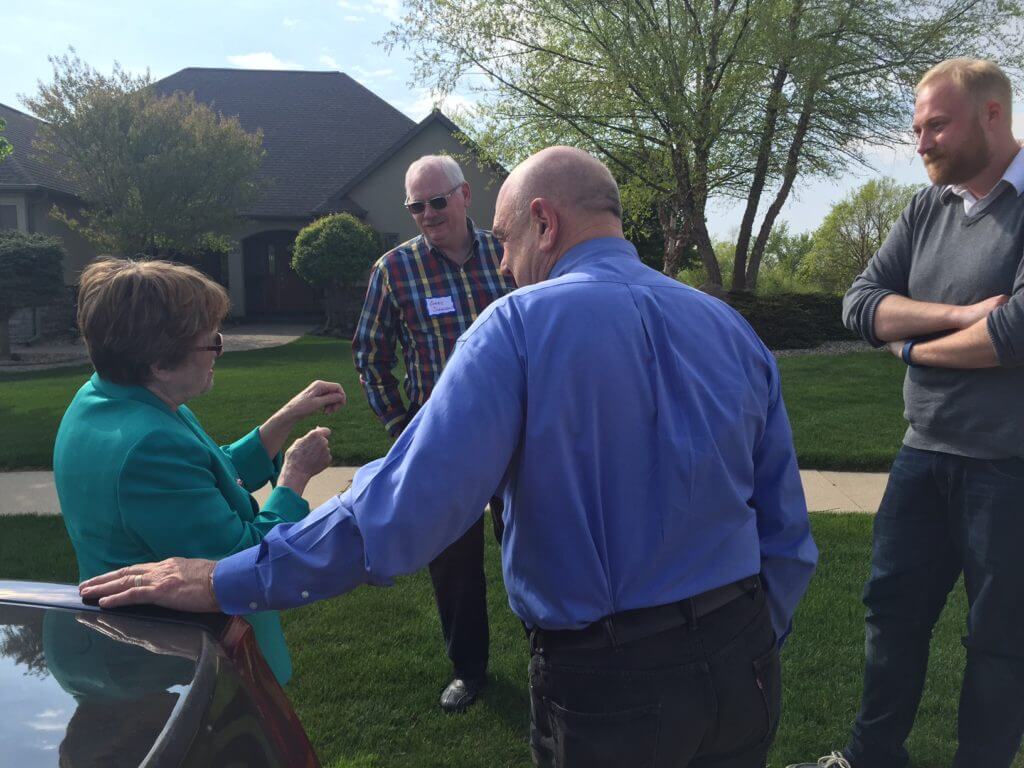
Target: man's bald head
x,y
553,201
570,178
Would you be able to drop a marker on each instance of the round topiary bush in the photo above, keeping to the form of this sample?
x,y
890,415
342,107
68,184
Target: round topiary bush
x,y
335,253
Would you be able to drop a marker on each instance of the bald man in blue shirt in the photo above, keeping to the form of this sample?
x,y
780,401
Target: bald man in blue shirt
x,y
656,537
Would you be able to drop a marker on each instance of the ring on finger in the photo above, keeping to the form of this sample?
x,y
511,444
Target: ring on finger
x,y
138,581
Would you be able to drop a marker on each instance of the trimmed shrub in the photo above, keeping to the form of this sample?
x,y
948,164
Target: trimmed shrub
x,y
32,276
336,252
793,320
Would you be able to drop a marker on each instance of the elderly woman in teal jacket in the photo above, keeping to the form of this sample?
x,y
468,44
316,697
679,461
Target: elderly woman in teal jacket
x,y
137,477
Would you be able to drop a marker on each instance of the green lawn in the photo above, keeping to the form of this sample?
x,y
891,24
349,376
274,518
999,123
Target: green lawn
x,y
249,387
369,666
846,409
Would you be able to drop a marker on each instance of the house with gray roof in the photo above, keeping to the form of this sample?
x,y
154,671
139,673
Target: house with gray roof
x,y
29,188
331,145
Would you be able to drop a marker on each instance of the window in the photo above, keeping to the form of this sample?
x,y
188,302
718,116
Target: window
x,y
8,217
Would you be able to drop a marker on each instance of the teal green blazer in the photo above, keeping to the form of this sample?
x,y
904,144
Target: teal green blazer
x,y
140,482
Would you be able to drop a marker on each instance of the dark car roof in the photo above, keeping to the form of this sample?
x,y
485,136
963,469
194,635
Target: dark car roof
x,y
43,594
66,596
97,687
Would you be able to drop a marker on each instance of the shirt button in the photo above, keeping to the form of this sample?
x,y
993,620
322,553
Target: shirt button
x,y
253,605
239,481
305,595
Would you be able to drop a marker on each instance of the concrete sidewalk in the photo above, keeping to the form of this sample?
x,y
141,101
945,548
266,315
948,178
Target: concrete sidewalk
x,y
34,493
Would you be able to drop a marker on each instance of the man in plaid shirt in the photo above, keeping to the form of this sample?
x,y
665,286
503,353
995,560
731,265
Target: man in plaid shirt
x,y
424,294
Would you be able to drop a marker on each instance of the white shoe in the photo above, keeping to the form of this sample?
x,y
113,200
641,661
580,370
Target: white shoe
x,y
834,760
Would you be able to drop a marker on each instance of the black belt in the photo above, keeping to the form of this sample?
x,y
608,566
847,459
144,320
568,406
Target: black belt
x,y
628,626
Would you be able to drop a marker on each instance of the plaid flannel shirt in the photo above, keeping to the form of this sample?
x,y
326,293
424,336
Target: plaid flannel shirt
x,y
419,298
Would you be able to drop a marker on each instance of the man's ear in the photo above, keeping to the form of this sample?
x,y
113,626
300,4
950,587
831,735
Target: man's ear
x,y
993,112
543,216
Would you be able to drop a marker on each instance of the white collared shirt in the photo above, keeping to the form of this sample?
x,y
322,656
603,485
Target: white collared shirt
x,y
1014,175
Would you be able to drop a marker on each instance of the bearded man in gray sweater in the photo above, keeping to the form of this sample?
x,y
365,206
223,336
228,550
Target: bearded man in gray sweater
x,y
946,294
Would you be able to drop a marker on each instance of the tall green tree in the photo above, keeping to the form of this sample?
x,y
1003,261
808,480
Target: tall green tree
x,y
335,253
784,252
159,175
691,100
852,233
5,145
642,228
31,266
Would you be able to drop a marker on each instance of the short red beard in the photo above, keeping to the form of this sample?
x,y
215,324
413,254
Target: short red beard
x,y
959,165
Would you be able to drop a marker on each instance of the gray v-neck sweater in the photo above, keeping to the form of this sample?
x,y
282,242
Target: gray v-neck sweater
x,y
937,253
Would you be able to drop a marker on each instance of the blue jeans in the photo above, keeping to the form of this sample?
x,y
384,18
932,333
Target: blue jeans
x,y
942,515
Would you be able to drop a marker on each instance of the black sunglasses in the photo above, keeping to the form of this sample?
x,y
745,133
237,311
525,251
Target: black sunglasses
x,y
438,203
217,347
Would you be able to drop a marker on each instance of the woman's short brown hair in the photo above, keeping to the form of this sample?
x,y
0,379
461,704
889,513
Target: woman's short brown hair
x,y
134,314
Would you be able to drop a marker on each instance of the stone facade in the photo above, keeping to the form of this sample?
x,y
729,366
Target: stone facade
x,y
55,320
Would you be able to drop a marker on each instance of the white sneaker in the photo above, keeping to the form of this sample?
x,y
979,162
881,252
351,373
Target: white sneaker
x,y
834,760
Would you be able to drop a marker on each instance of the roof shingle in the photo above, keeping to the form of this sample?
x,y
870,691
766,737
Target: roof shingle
x,y
24,168
320,129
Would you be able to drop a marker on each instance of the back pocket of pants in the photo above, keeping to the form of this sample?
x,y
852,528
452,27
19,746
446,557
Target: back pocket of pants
x,y
624,739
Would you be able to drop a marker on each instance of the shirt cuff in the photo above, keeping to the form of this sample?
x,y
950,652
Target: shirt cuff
x,y
1001,338
871,306
397,424
286,504
251,461
236,583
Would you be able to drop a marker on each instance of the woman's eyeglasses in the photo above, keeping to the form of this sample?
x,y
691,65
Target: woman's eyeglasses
x,y
217,346
438,203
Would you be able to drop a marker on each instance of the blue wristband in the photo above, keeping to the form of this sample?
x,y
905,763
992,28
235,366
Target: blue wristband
x,y
905,353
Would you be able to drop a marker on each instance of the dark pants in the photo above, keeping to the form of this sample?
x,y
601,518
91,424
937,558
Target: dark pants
x,y
942,515
705,695
461,594
460,591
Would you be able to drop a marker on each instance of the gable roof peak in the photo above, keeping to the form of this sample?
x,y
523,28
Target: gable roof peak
x,y
320,128
259,71
25,169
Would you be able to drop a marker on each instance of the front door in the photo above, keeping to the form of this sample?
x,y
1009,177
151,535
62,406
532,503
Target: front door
x,y
271,285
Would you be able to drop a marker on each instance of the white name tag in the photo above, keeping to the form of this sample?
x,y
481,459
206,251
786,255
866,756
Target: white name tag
x,y
440,305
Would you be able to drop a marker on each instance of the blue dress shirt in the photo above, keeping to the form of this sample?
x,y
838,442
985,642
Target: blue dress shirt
x,y
636,428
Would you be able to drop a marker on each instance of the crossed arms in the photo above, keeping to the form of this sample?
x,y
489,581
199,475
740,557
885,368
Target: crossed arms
x,y
985,334
967,345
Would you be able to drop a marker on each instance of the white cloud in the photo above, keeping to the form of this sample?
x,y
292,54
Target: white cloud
x,y
389,9
328,61
289,23
364,75
353,19
261,60
422,106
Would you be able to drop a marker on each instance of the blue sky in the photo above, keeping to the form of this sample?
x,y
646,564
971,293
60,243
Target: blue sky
x,y
312,34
